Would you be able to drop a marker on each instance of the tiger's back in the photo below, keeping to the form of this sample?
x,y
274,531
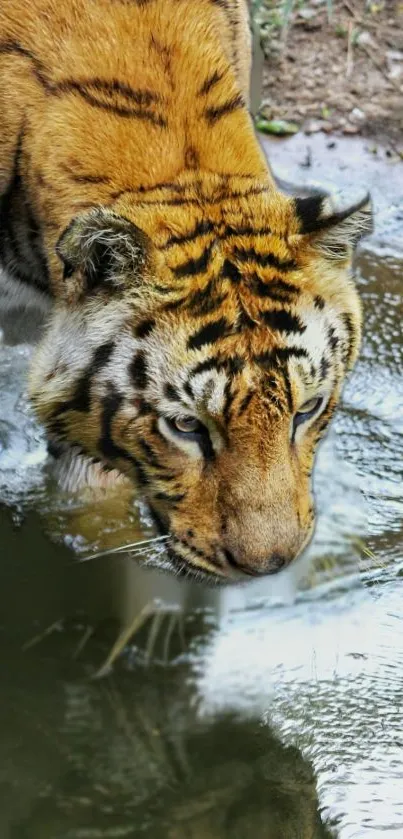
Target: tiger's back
x,y
202,322
98,99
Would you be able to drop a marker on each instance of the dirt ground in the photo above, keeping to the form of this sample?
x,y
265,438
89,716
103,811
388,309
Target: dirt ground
x,y
335,67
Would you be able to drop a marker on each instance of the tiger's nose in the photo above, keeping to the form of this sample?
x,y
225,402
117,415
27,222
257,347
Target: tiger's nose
x,y
272,565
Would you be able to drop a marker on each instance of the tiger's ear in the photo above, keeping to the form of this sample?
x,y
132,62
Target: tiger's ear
x,y
334,228
102,249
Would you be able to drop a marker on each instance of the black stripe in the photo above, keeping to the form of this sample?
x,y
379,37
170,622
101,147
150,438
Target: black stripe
x,y
333,340
171,185
89,88
275,289
194,266
279,356
144,408
247,230
173,498
203,301
142,329
86,179
287,387
106,446
351,332
209,364
171,392
148,452
201,228
206,447
158,520
264,259
144,190
209,305
36,245
10,47
209,334
324,368
119,110
143,98
210,82
245,321
21,245
164,52
81,400
56,422
176,304
228,400
319,302
235,364
245,403
187,387
180,202
214,114
230,272
138,371
283,321
213,363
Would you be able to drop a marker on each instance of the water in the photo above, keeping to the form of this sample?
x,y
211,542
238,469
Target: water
x,y
272,710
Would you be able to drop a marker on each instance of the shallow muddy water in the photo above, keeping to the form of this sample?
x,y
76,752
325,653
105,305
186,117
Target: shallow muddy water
x,y
272,710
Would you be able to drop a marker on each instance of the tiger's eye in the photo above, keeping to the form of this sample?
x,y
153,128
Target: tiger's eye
x,y
306,412
187,425
309,406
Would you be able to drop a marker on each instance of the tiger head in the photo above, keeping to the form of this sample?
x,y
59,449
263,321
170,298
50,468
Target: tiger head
x,y
200,349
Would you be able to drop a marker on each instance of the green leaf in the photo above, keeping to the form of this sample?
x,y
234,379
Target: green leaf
x,y
277,126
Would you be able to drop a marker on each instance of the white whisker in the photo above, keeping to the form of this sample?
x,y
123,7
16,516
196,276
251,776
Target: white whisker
x,y
132,548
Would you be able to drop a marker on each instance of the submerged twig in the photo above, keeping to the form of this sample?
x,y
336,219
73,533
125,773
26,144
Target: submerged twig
x,y
54,627
124,637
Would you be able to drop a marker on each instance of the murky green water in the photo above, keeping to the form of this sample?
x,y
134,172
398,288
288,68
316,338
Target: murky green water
x,y
273,710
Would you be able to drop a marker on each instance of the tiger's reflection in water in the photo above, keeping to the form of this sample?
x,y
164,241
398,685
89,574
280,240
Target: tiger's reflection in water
x,y
132,757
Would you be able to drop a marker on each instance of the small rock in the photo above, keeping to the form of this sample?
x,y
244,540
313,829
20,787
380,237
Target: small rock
x,y
395,71
313,126
365,39
351,129
306,13
357,115
394,55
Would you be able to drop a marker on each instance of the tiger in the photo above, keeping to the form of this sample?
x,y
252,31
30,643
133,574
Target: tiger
x,y
200,322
